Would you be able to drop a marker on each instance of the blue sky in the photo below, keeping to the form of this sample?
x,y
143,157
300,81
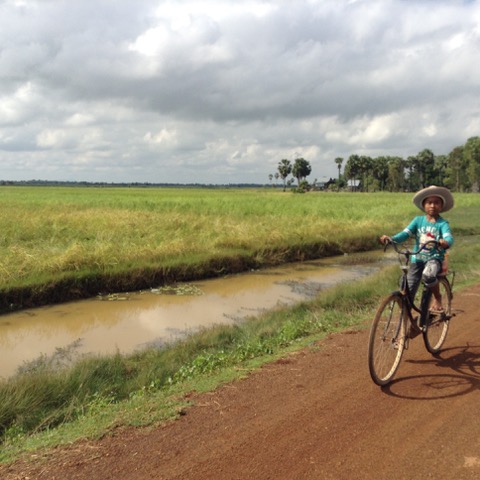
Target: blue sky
x,y
221,91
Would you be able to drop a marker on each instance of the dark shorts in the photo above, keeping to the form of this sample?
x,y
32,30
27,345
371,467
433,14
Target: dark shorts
x,y
424,271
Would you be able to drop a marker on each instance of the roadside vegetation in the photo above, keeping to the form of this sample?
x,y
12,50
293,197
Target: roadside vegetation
x,y
50,404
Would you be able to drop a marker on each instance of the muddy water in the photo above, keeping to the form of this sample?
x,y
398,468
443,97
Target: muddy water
x,y
128,322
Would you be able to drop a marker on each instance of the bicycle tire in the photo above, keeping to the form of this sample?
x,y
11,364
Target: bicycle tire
x,y
387,339
436,325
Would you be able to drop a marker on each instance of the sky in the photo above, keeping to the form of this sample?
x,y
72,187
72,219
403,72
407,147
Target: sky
x,y
220,91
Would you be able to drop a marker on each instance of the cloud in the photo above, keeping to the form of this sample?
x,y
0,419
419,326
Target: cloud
x,y
220,92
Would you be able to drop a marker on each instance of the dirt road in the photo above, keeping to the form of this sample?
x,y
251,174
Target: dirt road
x,y
313,415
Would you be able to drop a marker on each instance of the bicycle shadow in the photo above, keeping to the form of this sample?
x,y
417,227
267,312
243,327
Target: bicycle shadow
x,y
462,378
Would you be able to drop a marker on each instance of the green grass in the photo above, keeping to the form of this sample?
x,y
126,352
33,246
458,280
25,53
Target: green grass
x,y
50,405
116,236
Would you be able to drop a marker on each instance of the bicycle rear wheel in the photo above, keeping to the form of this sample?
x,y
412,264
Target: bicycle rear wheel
x,y
436,324
387,340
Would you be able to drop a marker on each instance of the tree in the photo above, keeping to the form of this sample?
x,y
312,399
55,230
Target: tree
x,y
396,174
413,181
284,170
380,171
339,161
425,166
472,156
441,163
352,168
365,168
456,177
301,169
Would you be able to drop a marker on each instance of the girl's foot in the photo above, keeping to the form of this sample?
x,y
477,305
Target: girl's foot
x,y
436,308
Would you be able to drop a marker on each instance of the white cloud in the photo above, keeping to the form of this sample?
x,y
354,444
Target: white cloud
x,y
219,92
50,138
79,119
164,137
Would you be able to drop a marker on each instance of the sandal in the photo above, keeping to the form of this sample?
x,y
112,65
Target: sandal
x,y
437,311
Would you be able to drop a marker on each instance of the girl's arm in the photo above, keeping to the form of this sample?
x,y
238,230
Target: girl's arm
x,y
447,237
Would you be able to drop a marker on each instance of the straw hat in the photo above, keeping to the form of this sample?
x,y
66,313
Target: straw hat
x,y
434,191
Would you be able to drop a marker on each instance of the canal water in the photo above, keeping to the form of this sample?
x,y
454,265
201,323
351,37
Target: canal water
x,y
128,322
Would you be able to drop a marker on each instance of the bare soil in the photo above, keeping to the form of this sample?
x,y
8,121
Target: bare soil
x,y
314,414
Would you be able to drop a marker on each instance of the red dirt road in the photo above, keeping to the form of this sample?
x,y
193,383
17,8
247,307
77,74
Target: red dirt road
x,y
313,415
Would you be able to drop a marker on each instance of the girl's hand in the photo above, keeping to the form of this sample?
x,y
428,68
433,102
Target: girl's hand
x,y
444,244
384,239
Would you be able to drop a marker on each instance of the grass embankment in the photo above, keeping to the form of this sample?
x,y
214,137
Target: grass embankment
x,y
50,406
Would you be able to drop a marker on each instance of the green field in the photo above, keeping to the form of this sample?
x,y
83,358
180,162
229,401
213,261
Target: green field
x,y
73,242
181,231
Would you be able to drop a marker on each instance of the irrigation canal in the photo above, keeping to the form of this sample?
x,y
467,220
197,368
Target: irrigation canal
x,y
127,322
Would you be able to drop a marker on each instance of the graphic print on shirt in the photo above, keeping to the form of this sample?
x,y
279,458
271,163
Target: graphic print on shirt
x,y
427,237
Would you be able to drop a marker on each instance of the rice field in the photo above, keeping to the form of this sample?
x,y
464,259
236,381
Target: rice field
x,y
50,234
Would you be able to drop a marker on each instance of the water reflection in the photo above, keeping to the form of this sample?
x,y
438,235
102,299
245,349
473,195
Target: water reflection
x,y
133,321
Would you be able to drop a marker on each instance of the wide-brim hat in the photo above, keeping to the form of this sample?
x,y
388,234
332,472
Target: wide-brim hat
x,y
434,191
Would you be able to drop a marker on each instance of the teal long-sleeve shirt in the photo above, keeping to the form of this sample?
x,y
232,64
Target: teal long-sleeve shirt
x,y
423,231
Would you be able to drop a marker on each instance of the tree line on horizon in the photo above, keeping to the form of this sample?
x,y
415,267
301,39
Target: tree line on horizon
x,y
459,171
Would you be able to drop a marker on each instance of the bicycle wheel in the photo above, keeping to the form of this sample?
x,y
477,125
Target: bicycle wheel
x,y
387,340
436,324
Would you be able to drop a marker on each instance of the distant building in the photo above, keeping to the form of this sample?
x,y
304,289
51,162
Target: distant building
x,y
323,183
354,185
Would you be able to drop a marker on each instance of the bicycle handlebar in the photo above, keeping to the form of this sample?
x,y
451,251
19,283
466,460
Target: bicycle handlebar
x,y
410,252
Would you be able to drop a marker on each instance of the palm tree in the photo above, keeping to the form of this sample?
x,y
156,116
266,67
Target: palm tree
x,y
339,161
284,169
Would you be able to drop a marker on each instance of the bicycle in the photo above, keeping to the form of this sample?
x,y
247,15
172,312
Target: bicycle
x,y
398,320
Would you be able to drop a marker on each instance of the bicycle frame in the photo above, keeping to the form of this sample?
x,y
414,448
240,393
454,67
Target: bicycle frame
x,y
405,293
408,300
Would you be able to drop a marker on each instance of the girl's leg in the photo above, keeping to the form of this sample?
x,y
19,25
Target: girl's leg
x,y
430,273
414,276
437,298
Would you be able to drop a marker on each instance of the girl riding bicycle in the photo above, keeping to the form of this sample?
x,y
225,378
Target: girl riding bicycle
x,y
427,264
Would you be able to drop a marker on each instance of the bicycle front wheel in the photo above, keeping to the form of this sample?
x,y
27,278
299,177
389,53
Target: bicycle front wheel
x,y
437,323
387,340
